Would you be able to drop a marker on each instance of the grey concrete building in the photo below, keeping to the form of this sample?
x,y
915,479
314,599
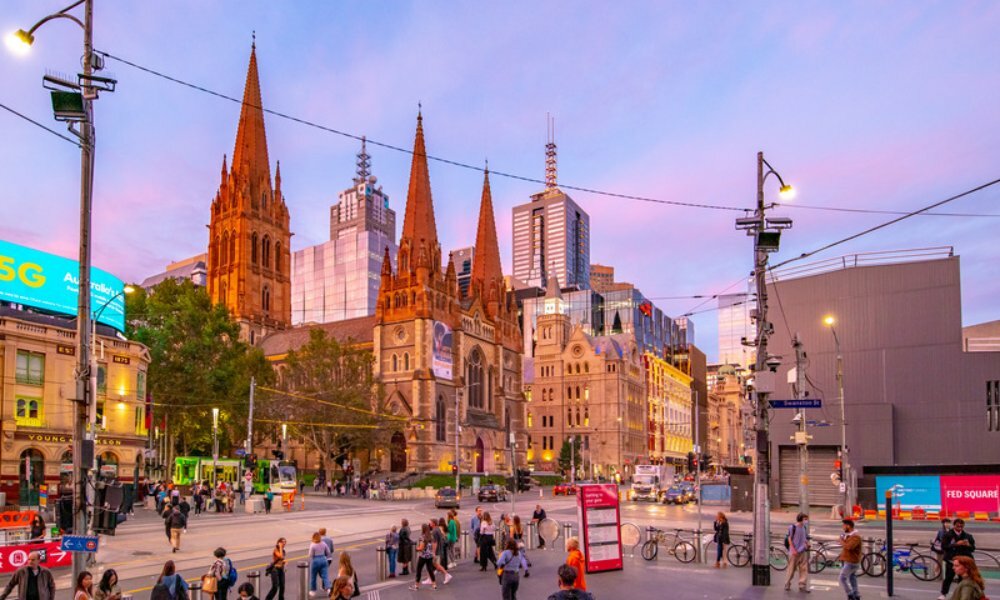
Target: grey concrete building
x,y
915,401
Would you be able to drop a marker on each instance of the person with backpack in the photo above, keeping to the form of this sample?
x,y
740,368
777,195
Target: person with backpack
x,y
319,565
797,543
567,575
391,548
509,565
971,585
957,542
276,571
169,585
224,572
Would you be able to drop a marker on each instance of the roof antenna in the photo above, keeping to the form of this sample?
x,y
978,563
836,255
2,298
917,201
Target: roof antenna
x,y
364,163
550,152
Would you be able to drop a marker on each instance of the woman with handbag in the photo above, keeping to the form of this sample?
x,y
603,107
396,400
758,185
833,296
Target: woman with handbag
x,y
347,570
425,557
509,566
721,538
216,581
276,571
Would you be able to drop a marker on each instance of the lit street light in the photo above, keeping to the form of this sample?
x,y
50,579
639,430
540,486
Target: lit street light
x,y
847,478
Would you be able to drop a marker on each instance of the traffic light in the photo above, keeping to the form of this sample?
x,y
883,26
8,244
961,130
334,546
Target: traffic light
x,y
64,512
454,469
108,500
691,462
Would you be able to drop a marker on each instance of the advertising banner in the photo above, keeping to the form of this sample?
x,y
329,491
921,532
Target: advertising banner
x,y
973,493
911,491
14,557
600,526
441,355
50,282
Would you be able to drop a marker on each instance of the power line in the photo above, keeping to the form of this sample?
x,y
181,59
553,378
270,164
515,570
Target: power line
x,y
876,211
327,402
37,124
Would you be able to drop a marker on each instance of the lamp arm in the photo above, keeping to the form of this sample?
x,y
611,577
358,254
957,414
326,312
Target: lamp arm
x,y
59,15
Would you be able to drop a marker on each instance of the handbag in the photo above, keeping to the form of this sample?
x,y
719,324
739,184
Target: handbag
x,y
269,570
209,584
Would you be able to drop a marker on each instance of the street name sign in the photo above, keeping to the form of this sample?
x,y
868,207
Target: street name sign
x,y
805,403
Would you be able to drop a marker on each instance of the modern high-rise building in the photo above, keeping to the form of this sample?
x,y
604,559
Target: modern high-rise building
x,y
734,326
552,236
339,279
602,277
463,257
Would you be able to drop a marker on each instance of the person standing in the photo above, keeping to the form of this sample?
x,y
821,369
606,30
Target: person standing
x,y
567,575
277,571
971,585
511,561
474,526
220,571
936,544
171,581
405,546
721,538
176,522
329,488
487,541
329,544
850,556
268,499
425,557
798,552
33,581
319,564
391,549
347,570
108,588
343,589
537,517
574,558
84,589
453,533
37,528
197,498
957,542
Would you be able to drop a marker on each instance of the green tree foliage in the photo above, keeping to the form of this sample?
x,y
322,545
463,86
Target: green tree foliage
x,y
197,362
337,405
566,459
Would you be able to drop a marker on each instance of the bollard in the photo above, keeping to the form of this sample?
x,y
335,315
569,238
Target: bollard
x,y
532,532
567,532
303,580
195,590
381,566
465,545
254,578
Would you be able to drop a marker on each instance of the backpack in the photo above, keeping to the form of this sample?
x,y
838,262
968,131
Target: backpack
x,y
231,574
791,531
160,592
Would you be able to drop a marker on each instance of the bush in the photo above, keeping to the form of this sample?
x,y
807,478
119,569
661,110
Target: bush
x,y
439,481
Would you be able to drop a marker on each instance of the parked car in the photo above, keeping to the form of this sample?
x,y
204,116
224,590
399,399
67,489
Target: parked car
x,y
492,492
564,489
446,498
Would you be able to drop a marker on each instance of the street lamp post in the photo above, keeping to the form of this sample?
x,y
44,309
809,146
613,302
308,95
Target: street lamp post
x,y
848,478
458,437
215,445
91,412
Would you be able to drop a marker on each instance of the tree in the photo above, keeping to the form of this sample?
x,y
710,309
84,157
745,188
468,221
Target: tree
x,y
566,459
333,399
197,362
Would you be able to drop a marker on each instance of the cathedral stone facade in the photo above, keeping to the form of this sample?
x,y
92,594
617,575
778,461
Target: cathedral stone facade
x,y
449,362
248,252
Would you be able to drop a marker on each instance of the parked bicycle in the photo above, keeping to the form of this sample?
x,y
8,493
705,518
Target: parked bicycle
x,y
682,549
823,554
922,566
739,555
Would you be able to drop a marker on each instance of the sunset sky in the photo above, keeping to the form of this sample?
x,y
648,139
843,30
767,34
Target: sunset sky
x,y
869,105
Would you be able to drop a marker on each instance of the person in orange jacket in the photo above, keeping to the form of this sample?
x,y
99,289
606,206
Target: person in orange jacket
x,y
574,558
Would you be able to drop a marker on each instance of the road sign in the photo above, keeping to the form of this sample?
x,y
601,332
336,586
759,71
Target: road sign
x,y
807,403
79,543
241,452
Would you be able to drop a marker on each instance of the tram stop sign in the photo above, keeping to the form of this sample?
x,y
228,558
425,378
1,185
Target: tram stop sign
x,y
79,543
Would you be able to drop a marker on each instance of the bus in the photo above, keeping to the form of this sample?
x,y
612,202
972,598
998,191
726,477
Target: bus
x,y
275,475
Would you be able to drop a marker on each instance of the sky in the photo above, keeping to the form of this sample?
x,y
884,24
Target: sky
x,y
868,105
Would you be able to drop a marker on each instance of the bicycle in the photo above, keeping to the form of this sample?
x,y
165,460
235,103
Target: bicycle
x,y
921,566
739,555
682,549
819,556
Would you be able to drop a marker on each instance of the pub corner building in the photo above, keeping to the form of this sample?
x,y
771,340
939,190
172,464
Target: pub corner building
x,y
38,356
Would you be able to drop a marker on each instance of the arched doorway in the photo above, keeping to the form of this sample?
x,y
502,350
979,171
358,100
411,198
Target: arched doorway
x,y
31,475
480,455
107,466
66,473
397,453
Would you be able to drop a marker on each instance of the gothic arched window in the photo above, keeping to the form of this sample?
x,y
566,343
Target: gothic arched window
x,y
277,257
265,299
265,251
474,378
232,248
254,241
215,253
224,249
395,363
406,361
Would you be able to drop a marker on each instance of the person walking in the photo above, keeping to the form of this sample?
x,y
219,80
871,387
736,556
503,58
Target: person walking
x,y
185,507
511,561
170,582
391,550
971,585
567,575
176,522
319,565
84,589
957,542
721,538
276,570
108,588
343,589
405,546
425,557
347,570
440,538
474,527
797,541
574,558
850,557
517,534
220,571
33,581
487,533
537,517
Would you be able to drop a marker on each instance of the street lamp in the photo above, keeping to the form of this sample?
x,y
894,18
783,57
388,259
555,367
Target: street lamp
x,y
215,444
848,478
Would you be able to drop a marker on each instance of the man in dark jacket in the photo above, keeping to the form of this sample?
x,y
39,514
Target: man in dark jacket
x,y
177,522
567,575
957,542
33,581
537,517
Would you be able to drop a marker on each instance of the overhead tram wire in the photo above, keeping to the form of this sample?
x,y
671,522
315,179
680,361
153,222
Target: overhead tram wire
x,y
40,125
875,211
327,402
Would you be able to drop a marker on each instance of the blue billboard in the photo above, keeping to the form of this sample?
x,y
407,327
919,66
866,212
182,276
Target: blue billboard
x,y
910,491
50,282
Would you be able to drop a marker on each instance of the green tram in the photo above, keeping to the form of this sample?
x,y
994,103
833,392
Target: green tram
x,y
275,475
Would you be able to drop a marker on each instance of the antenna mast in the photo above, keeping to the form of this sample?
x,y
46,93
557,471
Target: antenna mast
x,y
550,152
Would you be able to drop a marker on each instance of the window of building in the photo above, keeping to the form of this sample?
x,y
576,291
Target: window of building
x,y
265,299
224,249
395,363
102,378
232,248
30,368
530,421
140,420
474,379
277,257
140,386
102,418
28,412
439,426
569,416
993,405
254,241
406,361
265,251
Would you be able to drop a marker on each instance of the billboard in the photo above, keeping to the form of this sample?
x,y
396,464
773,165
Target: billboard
x,y
50,282
910,491
441,354
600,525
973,493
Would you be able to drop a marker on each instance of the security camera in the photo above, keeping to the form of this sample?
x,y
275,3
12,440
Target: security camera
x,y
773,362
797,418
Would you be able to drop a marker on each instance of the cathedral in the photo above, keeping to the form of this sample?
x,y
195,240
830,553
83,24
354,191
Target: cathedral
x,y
452,363
248,251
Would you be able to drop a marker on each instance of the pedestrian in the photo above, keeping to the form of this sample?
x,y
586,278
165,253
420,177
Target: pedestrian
x,y
721,537
850,557
474,526
329,544
268,499
84,589
108,588
971,585
797,542
33,581
245,591
329,488
37,528
343,589
185,508
439,530
276,571
391,549
176,523
487,539
168,584
319,566
405,546
957,542
220,571
936,543
574,558
347,570
453,527
537,517
509,565
425,557
567,575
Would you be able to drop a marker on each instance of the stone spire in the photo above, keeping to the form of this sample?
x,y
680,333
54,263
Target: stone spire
x,y
250,154
418,224
486,271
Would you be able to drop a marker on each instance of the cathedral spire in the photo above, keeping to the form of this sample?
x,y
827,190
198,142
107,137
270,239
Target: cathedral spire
x,y
486,270
250,154
418,224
